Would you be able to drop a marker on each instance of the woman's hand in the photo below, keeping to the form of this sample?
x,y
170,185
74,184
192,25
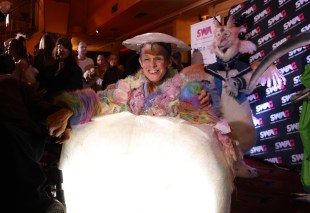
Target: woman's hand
x,y
57,122
205,99
65,136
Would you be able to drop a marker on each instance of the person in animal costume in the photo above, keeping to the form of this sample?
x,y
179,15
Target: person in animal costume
x,y
230,76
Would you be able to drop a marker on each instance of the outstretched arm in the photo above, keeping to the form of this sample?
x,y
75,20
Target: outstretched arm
x,y
57,123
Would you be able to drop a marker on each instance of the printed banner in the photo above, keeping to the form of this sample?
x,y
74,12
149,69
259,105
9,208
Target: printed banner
x,y
271,23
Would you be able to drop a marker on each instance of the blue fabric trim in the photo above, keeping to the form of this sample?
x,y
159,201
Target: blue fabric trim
x,y
214,94
241,97
240,66
218,85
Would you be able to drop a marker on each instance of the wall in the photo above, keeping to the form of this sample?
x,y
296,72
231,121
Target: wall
x,y
54,20
103,8
34,39
180,26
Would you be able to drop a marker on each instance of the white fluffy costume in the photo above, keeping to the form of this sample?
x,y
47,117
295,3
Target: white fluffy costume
x,y
134,163
147,152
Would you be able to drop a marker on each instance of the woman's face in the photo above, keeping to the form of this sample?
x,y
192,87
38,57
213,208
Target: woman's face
x,y
102,62
153,62
62,52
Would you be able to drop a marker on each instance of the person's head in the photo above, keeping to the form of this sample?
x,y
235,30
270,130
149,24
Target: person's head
x,y
82,49
102,62
155,50
154,59
47,42
5,7
17,48
100,59
113,60
226,43
64,49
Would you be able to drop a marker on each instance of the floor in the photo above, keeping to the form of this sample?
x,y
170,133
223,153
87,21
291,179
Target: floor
x,y
275,190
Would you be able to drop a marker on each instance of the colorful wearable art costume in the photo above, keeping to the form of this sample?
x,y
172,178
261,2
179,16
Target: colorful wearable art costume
x,y
154,152
176,97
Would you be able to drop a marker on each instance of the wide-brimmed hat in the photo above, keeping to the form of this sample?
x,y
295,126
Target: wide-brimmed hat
x,y
136,42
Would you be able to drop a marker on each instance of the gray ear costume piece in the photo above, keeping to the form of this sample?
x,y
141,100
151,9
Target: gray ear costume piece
x,y
136,42
299,40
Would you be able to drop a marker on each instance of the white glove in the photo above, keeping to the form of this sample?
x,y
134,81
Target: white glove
x,y
232,87
89,74
99,81
86,74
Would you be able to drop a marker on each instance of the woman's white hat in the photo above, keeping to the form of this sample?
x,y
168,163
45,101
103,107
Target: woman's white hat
x,y
136,42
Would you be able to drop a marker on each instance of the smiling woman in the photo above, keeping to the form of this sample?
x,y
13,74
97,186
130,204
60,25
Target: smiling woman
x,y
154,60
168,153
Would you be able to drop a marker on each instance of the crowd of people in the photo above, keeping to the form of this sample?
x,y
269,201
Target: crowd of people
x,y
56,68
41,94
54,55
31,124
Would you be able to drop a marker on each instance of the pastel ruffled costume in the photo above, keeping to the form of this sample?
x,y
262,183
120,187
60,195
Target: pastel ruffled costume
x,y
149,152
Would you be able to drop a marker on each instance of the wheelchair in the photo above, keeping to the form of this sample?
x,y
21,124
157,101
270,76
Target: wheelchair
x,y
53,199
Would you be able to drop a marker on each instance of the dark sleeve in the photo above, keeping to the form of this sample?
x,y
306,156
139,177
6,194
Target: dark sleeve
x,y
77,78
122,74
37,105
38,61
106,79
118,74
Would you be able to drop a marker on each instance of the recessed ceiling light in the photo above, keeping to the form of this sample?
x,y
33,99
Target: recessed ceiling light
x,y
140,15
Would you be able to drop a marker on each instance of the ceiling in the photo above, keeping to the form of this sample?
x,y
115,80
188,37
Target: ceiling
x,y
115,20
130,17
